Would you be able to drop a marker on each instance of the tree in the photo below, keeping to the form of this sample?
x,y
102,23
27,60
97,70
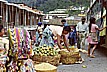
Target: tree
x,y
50,5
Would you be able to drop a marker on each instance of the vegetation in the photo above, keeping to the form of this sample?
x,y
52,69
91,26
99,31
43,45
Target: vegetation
x,y
50,5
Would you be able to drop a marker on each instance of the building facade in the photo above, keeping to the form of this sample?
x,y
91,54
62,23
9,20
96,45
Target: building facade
x,y
18,14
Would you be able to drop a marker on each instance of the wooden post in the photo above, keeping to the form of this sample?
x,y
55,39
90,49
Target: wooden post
x,y
37,19
7,16
19,17
41,18
12,14
31,19
3,14
16,17
34,19
25,19
1,8
28,18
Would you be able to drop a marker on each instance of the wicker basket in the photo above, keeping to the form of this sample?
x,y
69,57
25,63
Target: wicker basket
x,y
54,60
70,57
45,67
74,49
47,71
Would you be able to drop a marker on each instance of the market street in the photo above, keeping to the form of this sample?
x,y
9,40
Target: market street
x,y
97,64
53,35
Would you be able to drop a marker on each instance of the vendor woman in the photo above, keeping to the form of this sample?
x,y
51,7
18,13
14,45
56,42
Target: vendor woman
x,y
58,31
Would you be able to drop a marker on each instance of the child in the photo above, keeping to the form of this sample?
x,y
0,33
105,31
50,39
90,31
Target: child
x,y
92,38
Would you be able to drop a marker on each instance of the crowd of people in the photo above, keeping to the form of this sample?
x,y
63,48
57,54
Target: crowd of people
x,y
66,35
63,36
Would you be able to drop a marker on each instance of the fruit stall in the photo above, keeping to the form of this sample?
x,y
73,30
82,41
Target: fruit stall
x,y
22,56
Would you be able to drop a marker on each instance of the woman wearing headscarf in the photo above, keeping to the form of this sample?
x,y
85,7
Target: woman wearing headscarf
x,y
57,31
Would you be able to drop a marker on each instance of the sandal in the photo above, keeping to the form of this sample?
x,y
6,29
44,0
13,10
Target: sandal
x,y
88,55
92,56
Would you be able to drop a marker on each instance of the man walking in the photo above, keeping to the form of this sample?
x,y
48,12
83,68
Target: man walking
x,y
82,30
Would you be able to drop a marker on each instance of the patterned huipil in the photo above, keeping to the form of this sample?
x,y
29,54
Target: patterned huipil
x,y
47,38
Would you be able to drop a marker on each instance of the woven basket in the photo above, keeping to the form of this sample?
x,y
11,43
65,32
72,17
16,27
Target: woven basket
x,y
74,49
54,60
69,57
47,71
45,67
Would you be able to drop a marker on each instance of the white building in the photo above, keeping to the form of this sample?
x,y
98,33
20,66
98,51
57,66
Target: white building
x,y
58,11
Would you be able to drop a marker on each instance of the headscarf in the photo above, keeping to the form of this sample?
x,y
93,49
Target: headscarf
x,y
39,23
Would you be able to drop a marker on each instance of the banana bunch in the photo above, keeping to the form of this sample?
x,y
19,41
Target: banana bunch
x,y
45,51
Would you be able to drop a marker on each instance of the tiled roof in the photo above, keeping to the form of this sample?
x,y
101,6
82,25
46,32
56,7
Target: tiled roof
x,y
24,7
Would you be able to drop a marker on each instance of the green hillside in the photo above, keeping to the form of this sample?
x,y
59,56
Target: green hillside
x,y
49,5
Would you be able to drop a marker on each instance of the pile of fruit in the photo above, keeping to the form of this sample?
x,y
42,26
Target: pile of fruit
x,y
45,51
46,54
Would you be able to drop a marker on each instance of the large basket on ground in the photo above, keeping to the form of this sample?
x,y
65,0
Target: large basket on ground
x,y
54,60
45,67
70,57
47,71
